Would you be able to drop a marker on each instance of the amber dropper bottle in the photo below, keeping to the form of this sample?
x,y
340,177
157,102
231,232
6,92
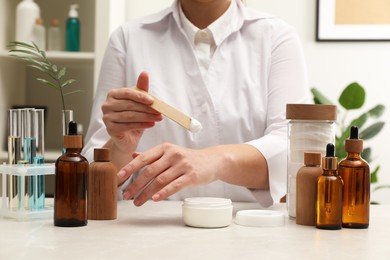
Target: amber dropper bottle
x,y
329,193
71,177
355,173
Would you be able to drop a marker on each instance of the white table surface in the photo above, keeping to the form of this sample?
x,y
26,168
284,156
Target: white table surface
x,y
156,231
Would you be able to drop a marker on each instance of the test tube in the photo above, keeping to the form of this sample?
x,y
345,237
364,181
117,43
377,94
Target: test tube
x,y
29,140
14,136
37,201
14,155
67,116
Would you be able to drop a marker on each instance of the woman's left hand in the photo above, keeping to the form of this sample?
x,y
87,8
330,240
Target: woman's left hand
x,y
168,169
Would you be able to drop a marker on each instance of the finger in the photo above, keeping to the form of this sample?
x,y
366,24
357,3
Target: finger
x,y
143,81
131,117
141,184
144,159
126,99
173,187
158,183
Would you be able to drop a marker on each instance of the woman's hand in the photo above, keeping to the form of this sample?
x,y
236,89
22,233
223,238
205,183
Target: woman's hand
x,y
170,168
127,112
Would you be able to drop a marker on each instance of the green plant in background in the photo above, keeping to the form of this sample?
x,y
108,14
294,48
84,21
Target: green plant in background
x,y
353,98
38,60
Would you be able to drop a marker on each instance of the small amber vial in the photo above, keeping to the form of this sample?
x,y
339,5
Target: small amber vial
x,y
329,193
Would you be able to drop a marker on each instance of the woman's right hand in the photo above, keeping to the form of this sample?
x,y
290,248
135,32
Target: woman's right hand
x,y
127,113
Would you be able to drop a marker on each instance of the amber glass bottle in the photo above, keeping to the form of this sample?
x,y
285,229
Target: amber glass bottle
x,y
329,193
355,173
71,176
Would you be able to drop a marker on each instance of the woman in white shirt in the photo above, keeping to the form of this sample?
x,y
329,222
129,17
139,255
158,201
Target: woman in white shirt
x,y
230,67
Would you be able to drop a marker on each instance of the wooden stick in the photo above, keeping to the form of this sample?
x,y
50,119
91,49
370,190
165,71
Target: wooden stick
x,y
172,113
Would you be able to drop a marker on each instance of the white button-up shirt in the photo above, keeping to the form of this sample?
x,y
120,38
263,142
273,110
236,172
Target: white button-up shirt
x,y
257,68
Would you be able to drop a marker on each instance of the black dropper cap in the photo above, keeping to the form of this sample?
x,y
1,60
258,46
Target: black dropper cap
x,y
329,162
72,127
329,150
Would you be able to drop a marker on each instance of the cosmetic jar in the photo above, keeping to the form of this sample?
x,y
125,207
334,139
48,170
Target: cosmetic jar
x,y
311,127
207,212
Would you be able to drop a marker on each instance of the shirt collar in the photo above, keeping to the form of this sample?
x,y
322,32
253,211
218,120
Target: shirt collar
x,y
217,31
240,15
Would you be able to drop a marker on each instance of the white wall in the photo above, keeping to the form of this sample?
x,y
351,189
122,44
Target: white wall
x,y
331,66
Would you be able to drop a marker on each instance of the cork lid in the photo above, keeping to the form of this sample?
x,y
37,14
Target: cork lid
x,y
39,21
102,154
55,23
354,144
312,158
311,112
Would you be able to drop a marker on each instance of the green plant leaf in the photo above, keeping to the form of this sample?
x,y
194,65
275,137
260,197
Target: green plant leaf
x,y
37,67
50,84
72,92
377,111
61,73
352,97
366,154
25,52
382,187
372,130
374,175
67,83
319,98
15,44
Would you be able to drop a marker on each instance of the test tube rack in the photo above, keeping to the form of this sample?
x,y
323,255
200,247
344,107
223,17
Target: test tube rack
x,y
21,173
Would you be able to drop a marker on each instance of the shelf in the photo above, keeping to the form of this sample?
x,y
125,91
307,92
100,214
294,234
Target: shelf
x,y
61,56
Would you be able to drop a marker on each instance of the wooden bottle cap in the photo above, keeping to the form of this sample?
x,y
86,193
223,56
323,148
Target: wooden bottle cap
x,y
312,158
311,112
354,145
102,154
73,142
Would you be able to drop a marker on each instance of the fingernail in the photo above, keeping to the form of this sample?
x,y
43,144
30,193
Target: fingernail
x,y
126,195
156,197
121,173
137,203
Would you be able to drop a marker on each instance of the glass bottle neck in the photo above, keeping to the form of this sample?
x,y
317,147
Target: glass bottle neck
x,y
72,150
353,155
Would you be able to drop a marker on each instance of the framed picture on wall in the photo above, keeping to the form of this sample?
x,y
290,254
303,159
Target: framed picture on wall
x,y
353,20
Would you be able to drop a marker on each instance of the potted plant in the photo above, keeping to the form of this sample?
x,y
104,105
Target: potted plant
x,y
37,59
351,99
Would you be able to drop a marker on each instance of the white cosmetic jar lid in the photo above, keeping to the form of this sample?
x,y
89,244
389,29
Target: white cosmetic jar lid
x,y
259,218
207,212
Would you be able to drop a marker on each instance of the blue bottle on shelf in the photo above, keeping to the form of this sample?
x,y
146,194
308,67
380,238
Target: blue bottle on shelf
x,y
73,30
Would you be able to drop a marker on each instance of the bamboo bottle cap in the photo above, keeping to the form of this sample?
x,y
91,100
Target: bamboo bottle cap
x,y
102,155
312,158
311,112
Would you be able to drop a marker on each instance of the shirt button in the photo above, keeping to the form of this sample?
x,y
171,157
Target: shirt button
x,y
204,108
